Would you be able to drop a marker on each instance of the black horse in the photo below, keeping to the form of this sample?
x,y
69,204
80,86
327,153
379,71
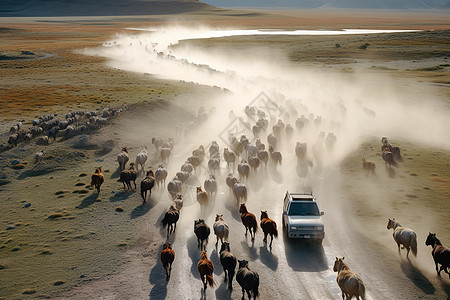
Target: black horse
x,y
441,254
170,219
248,280
229,262
202,231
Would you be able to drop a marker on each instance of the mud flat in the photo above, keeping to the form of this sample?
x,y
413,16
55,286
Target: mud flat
x,y
59,237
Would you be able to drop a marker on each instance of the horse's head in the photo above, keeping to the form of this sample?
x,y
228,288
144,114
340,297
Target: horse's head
x,y
338,263
199,189
98,170
243,263
264,214
243,208
179,197
125,149
150,173
167,246
197,222
431,239
225,246
219,217
204,255
391,224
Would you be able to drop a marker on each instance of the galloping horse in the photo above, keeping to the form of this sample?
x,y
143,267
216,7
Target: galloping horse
x,y
97,178
228,261
441,254
248,280
170,219
221,229
269,227
403,236
350,282
202,231
167,258
147,185
249,221
206,268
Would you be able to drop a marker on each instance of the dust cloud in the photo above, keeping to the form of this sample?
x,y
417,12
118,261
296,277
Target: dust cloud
x,y
331,111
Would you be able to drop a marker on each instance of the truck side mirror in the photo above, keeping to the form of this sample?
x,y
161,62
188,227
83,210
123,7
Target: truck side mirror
x,y
322,213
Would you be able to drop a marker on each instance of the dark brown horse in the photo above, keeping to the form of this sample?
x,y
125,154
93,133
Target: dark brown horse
x,y
228,261
97,178
170,219
249,221
206,268
202,231
167,258
248,280
441,254
147,185
269,227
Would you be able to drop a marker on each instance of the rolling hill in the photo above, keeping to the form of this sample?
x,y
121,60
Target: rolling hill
x,y
47,8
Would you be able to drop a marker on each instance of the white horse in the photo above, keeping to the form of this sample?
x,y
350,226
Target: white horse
x,y
350,282
141,158
403,236
221,229
160,175
240,192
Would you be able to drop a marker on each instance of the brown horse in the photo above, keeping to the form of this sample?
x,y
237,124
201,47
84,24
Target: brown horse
x,y
269,227
167,258
249,221
441,254
97,178
206,268
350,282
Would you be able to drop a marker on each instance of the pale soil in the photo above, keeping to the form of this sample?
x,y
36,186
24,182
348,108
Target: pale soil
x,y
99,253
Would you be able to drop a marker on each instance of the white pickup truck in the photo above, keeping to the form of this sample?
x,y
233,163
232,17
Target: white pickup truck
x,y
302,218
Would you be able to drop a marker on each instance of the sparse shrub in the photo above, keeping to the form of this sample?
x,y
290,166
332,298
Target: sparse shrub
x,y
364,46
119,209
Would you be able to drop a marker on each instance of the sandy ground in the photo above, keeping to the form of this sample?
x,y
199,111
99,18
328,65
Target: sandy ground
x,y
94,252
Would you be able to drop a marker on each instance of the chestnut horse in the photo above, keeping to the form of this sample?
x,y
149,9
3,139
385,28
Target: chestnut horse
x,y
167,258
97,178
269,227
350,282
249,221
206,268
441,254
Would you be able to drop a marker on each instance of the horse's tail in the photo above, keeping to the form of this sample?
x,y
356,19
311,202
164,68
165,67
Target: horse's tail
x,y
275,232
210,280
413,243
362,290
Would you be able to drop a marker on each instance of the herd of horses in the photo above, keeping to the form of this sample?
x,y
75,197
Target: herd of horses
x,y
350,282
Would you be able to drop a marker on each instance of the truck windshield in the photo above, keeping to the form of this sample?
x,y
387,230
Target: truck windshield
x,y
304,209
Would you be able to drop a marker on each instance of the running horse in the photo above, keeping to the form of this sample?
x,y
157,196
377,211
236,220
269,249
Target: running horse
x,y
269,227
403,236
441,254
249,221
349,281
206,268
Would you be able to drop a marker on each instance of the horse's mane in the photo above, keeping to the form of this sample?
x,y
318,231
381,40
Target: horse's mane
x,y
342,265
204,255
